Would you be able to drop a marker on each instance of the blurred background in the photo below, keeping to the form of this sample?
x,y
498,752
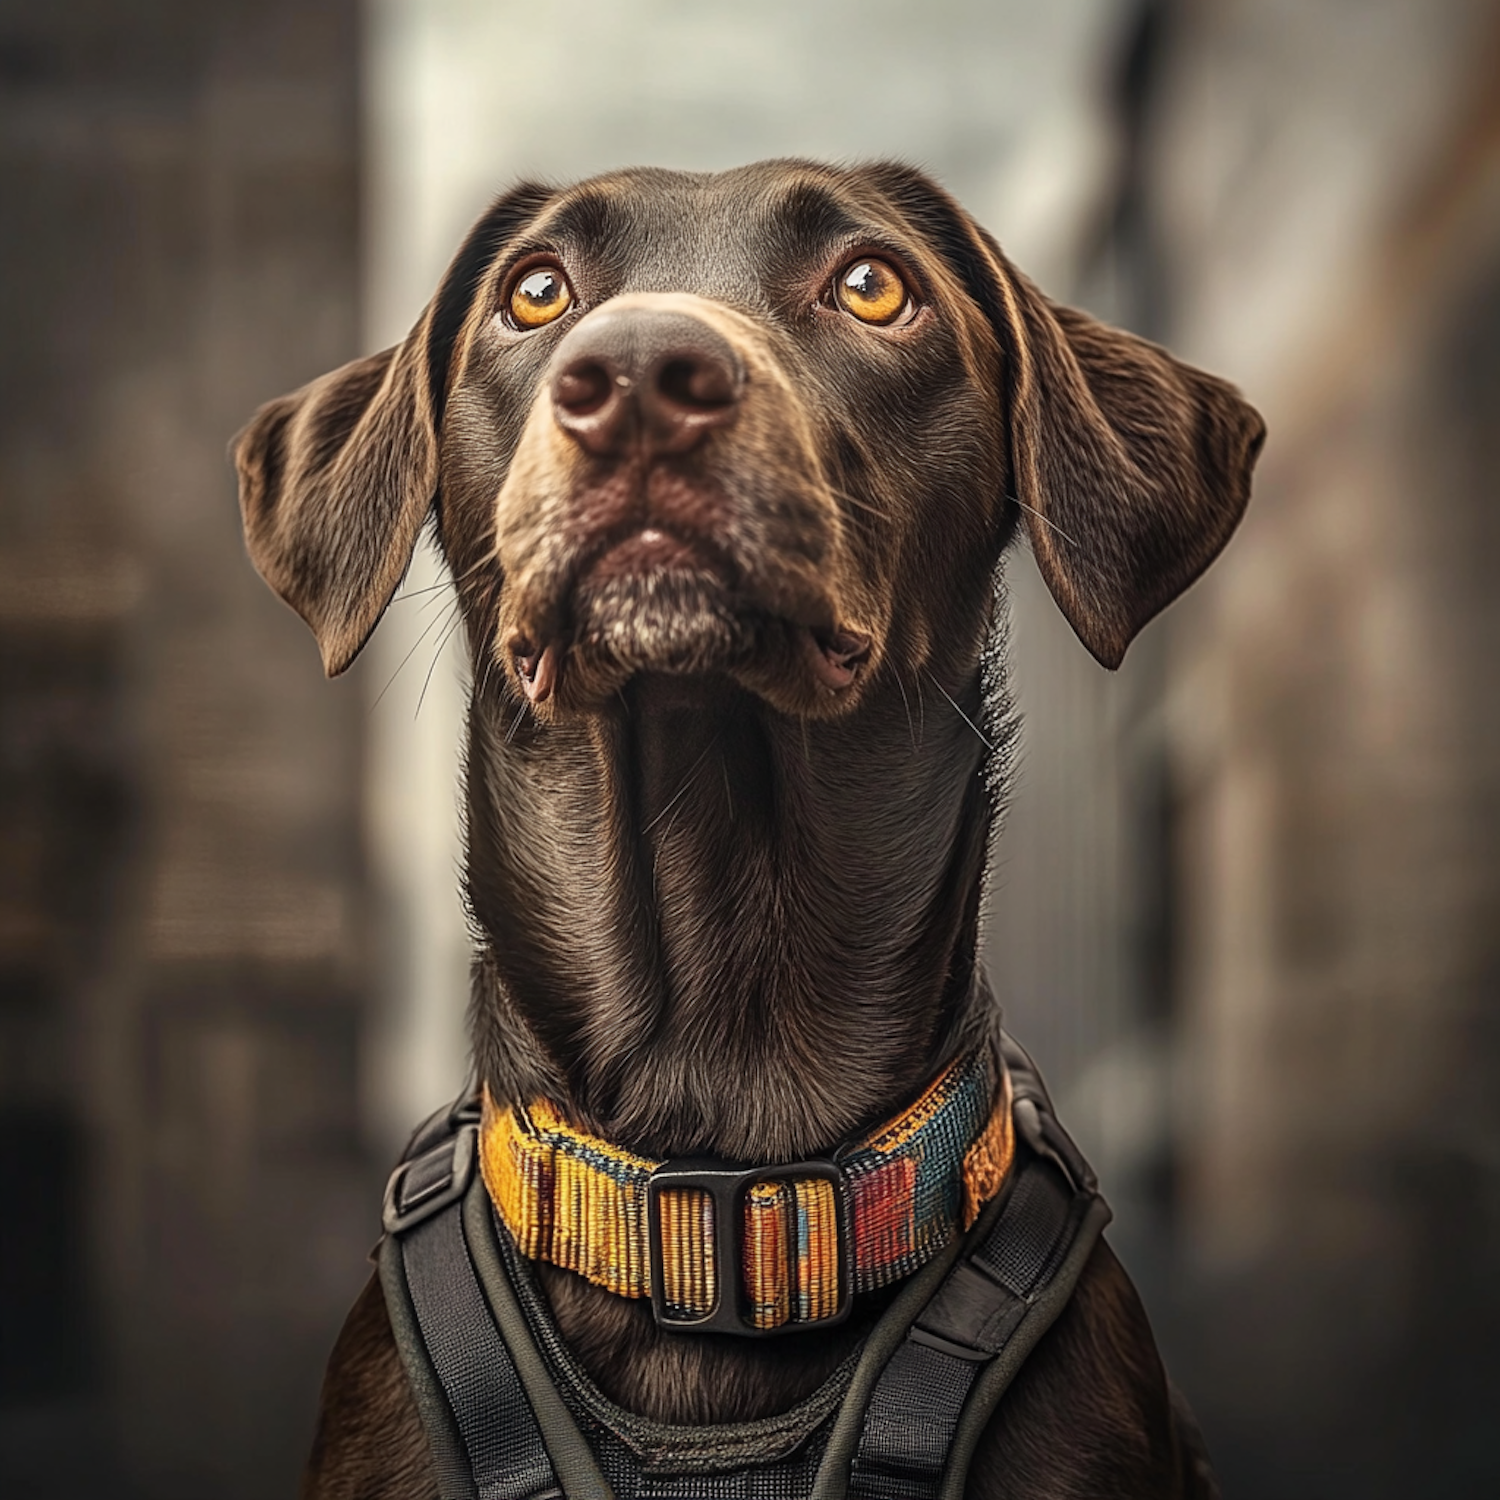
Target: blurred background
x,y
1245,909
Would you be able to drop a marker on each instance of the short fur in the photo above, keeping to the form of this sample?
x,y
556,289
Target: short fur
x,y
726,874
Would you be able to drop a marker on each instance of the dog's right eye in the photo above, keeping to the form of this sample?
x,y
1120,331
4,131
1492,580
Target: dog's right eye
x,y
540,296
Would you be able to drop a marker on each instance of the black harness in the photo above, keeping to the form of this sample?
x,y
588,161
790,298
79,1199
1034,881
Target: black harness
x,y
510,1415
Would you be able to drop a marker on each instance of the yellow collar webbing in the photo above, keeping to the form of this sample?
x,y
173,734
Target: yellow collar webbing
x,y
903,1191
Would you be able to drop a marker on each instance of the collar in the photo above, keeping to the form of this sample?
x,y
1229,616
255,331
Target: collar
x,y
805,1237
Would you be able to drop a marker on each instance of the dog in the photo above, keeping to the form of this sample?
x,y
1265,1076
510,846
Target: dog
x,y
724,467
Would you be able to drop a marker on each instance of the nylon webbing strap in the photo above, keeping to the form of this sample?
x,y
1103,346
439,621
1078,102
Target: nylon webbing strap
x,y
938,1362
915,1409
752,1250
507,1456
478,1376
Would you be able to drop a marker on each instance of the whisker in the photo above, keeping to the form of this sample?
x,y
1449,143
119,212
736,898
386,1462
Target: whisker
x,y
451,578
515,723
438,599
446,621
486,666
681,791
1049,524
437,656
436,620
906,704
850,498
962,715
666,834
483,560
402,595
492,664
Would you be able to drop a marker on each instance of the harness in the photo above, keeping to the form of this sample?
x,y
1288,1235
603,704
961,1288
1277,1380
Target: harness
x,y
510,1414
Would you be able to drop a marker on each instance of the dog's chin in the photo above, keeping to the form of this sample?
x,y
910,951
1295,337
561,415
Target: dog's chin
x,y
674,621
684,623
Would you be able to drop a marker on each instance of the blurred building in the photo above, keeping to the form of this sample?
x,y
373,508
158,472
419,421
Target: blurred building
x,y
186,1201
1322,192
1245,899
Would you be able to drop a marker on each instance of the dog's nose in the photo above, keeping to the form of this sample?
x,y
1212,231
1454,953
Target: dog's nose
x,y
638,379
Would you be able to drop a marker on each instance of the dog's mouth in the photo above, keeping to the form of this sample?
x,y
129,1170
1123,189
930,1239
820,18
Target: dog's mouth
x,y
833,657
656,599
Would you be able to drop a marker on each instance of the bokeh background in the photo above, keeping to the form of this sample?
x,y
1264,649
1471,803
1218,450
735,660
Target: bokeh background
x,y
1246,905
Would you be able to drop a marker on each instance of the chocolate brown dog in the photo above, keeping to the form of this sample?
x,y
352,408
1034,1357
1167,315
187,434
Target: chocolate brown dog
x,y
723,467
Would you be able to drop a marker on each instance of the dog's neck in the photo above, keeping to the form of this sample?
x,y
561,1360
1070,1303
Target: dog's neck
x,y
710,928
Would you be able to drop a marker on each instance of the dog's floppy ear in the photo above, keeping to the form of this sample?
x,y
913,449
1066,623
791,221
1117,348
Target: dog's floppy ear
x,y
1130,467
335,482
336,479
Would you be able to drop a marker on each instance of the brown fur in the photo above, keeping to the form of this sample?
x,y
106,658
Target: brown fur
x,y
726,887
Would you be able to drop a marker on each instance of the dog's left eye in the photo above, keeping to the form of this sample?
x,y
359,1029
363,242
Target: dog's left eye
x,y
873,291
539,297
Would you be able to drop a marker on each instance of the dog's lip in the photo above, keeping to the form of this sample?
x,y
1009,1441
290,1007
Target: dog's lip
x,y
537,666
835,657
832,651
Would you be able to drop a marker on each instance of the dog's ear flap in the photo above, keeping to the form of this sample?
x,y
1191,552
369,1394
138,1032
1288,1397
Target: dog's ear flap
x,y
337,478
1132,469
335,482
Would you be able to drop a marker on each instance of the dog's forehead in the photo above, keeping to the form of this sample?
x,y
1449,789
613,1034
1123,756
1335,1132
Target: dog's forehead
x,y
718,234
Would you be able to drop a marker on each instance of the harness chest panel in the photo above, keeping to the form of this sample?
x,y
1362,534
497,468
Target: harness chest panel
x,y
511,1416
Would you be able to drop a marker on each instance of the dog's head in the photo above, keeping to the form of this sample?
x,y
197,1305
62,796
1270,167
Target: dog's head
x,y
776,423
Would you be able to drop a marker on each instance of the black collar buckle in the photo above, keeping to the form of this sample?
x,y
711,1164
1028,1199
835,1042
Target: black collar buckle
x,y
727,1187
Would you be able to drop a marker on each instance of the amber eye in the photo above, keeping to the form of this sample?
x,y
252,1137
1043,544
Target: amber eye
x,y
539,297
873,291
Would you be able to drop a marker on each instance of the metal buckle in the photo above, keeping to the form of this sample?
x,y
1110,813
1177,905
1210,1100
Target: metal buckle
x,y
458,1152
727,1186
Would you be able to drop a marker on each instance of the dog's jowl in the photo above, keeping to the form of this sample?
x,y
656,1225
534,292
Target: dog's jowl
x,y
752,1197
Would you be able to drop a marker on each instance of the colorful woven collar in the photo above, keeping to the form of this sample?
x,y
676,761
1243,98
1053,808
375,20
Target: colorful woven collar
x,y
805,1237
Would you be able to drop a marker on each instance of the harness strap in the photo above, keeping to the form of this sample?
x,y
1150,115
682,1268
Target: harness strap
x,y
961,1352
504,1443
952,1365
485,1440
933,1369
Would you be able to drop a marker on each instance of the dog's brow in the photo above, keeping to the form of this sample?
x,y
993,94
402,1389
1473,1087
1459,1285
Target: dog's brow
x,y
811,212
588,215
